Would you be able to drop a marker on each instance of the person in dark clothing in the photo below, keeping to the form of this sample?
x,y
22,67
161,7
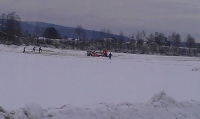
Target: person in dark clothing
x,y
33,49
24,49
40,50
110,55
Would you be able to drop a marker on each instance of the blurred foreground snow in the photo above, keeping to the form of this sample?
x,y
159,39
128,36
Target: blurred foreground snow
x,y
160,106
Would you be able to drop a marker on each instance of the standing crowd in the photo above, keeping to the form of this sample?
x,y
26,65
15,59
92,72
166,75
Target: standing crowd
x,y
40,49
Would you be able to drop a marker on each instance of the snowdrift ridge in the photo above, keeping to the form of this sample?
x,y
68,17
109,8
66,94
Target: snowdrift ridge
x,y
160,106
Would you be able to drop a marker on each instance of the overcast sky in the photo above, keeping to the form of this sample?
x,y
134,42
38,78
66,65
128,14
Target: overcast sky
x,y
128,16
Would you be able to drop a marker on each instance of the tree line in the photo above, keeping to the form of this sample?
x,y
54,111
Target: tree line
x,y
10,27
11,32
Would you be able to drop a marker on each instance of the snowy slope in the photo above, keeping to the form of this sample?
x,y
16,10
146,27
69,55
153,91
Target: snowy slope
x,y
57,77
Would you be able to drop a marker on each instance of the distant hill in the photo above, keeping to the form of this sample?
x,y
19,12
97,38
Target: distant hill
x,y
68,32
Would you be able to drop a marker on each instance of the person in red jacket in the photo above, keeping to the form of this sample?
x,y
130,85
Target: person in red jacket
x,y
105,53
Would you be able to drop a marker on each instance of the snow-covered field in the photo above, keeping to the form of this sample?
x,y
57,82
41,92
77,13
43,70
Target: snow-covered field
x,y
69,84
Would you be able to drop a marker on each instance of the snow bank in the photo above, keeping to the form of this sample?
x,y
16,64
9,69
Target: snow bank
x,y
163,99
160,106
31,111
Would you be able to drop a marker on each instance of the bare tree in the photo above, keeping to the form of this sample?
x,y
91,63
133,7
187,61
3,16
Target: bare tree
x,y
151,38
140,44
108,33
94,35
190,43
121,39
51,33
36,31
138,35
2,25
143,34
13,26
79,31
83,35
102,33
159,40
176,39
3,21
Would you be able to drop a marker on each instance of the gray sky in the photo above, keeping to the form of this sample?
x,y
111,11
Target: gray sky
x,y
128,16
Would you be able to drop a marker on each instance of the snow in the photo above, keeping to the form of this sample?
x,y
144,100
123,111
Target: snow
x,y
96,87
160,106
